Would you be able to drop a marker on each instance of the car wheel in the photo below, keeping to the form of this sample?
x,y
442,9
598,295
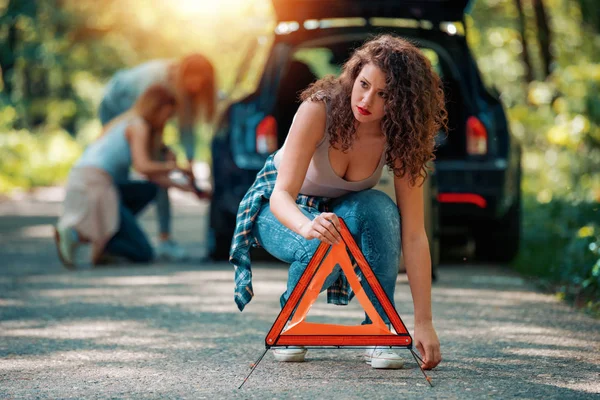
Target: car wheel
x,y
219,246
432,223
499,241
220,232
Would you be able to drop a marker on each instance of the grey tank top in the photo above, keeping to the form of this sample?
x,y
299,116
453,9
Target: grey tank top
x,y
321,180
111,152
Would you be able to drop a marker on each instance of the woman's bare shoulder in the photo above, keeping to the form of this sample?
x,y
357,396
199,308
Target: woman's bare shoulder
x,y
309,122
312,112
137,126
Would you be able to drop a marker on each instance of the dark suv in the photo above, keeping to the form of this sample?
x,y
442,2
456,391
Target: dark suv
x,y
476,187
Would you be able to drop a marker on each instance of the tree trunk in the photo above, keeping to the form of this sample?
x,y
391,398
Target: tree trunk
x,y
7,59
525,53
544,35
8,56
590,13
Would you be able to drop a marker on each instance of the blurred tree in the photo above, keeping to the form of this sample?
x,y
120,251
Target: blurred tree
x,y
8,52
524,45
544,36
590,13
40,62
56,54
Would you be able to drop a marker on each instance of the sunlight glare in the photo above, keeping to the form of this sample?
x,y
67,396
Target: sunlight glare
x,y
189,8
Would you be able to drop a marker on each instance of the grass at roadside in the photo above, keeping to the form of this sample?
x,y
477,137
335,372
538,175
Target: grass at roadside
x,y
560,249
29,160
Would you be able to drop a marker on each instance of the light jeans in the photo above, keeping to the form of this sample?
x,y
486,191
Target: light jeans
x,y
372,218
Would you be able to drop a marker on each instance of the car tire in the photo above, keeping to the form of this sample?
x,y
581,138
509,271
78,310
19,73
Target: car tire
x,y
499,241
433,225
219,246
220,233
434,245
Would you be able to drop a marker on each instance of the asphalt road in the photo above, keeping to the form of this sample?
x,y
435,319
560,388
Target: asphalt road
x,y
173,331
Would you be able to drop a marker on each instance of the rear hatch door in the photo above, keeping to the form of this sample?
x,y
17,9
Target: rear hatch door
x,y
431,10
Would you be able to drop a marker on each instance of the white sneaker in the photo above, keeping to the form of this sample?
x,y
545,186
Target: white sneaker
x,y
66,243
169,250
290,354
383,358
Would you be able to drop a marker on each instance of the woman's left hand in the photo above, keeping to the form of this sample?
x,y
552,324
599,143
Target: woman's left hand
x,y
428,344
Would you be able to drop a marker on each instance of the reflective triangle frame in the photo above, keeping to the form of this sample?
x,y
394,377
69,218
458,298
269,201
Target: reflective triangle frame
x,y
309,334
302,333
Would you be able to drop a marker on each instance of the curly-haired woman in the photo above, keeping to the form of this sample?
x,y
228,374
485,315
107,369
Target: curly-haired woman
x,y
384,109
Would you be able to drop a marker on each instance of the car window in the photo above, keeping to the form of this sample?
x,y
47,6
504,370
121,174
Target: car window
x,y
434,59
321,61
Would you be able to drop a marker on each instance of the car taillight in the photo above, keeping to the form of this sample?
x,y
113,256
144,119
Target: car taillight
x,y
266,135
477,137
471,198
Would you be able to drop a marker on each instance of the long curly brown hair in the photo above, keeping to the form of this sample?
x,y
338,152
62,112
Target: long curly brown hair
x,y
414,105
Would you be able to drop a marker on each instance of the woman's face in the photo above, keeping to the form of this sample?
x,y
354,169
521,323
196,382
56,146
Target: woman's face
x,y
368,94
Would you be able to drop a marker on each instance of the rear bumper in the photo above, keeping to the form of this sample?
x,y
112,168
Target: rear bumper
x,y
471,193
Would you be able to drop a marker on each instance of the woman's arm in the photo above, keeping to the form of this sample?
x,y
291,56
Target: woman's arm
x,y
163,180
307,130
415,248
138,136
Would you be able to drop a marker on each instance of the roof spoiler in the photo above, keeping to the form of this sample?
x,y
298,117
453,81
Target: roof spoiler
x,y
431,10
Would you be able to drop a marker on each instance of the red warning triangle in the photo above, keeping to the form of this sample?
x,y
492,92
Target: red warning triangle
x,y
301,333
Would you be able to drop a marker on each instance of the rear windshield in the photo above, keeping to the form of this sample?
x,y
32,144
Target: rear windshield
x,y
310,64
321,61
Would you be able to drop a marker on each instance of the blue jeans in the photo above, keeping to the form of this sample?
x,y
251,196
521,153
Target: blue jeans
x,y
372,218
130,241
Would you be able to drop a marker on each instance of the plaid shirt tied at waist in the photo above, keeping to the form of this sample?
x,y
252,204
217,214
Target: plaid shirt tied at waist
x,y
339,293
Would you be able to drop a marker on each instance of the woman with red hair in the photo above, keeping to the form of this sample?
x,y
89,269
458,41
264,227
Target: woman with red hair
x,y
191,80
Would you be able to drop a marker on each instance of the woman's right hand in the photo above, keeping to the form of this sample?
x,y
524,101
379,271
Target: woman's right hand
x,y
171,165
325,227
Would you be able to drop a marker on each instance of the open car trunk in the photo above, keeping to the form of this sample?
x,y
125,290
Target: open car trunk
x,y
431,10
310,63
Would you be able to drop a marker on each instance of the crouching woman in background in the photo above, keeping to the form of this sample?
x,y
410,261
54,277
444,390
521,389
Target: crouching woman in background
x,y
101,201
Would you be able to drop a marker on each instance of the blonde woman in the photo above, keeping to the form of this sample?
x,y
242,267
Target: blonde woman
x,y
101,202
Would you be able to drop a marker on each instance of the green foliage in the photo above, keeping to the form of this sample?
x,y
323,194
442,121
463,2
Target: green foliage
x,y
35,159
45,47
556,120
561,245
56,55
